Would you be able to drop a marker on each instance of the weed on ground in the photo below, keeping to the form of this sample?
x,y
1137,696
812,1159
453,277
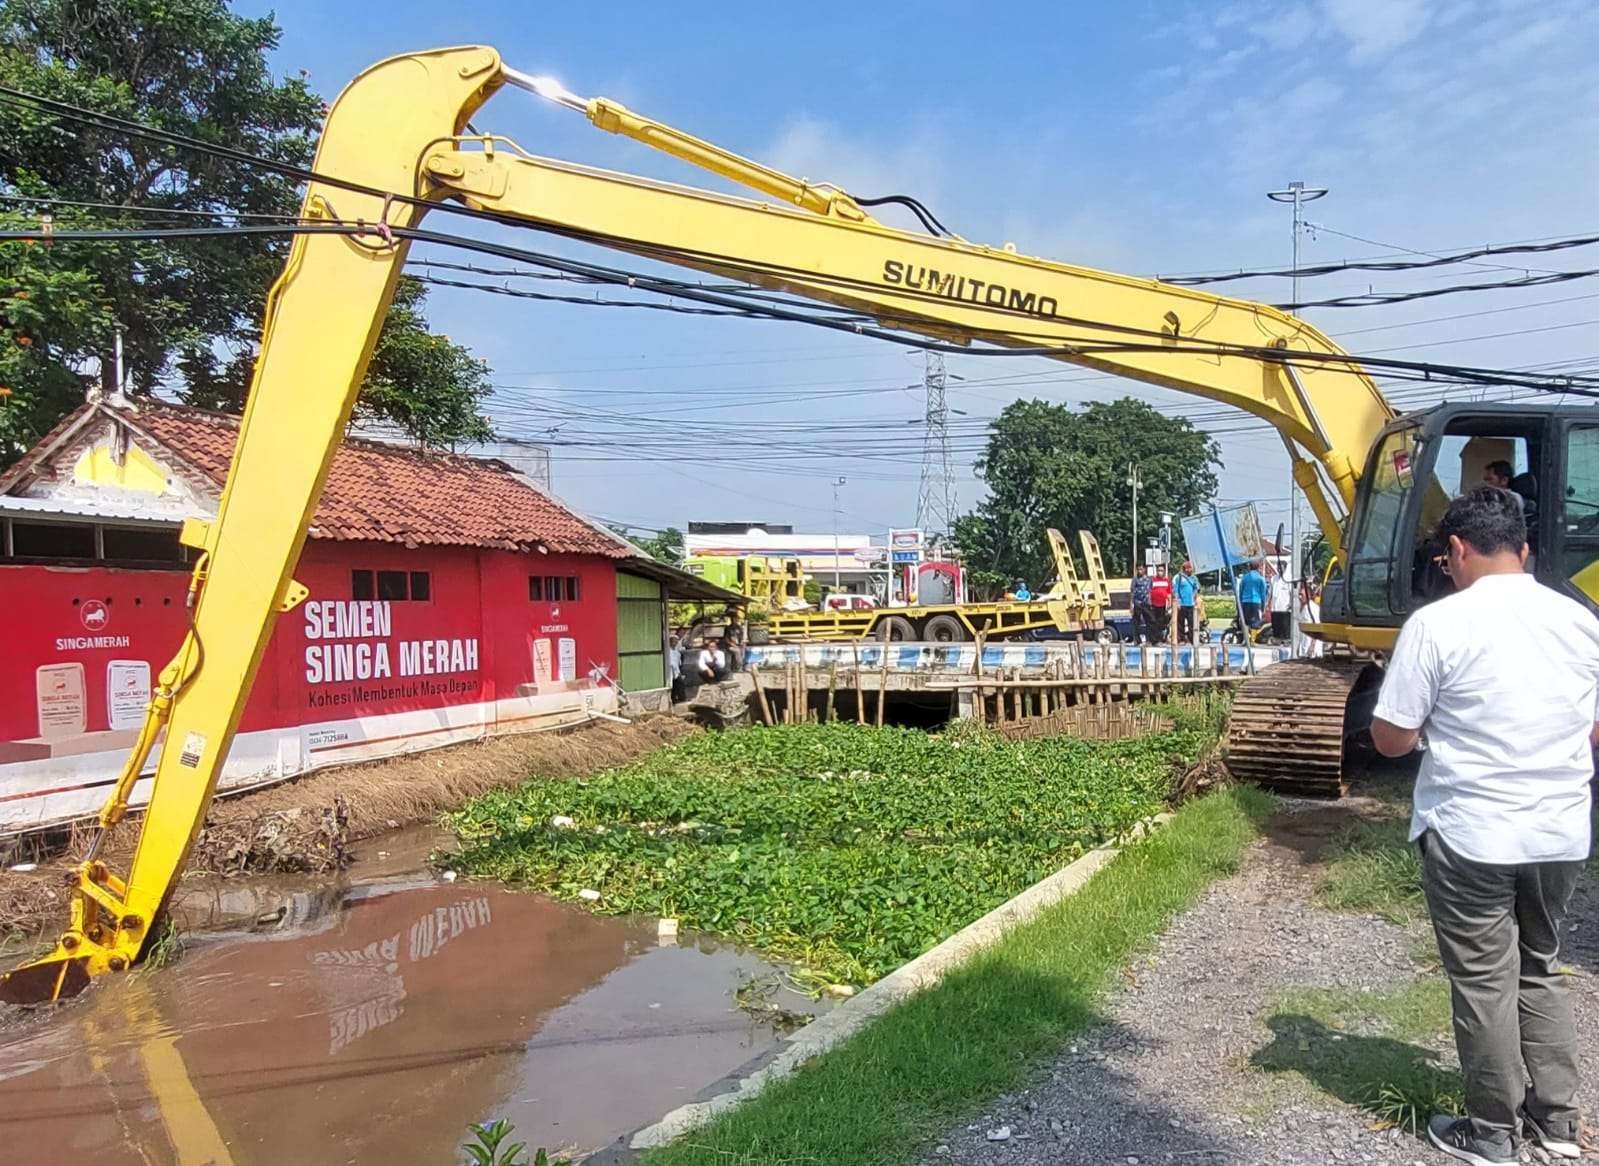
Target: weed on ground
x,y
846,850
1378,1051
1373,868
876,1099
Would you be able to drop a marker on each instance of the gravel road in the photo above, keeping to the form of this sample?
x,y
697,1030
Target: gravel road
x,y
1166,1079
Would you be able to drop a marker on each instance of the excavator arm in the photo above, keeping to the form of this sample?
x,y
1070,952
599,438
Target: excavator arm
x,y
395,142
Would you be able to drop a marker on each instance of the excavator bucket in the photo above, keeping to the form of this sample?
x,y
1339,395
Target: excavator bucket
x,y
57,976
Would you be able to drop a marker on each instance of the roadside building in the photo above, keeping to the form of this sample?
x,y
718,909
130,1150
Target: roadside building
x,y
860,565
450,599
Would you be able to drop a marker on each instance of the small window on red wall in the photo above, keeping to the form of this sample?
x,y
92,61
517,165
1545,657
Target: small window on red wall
x,y
552,588
393,586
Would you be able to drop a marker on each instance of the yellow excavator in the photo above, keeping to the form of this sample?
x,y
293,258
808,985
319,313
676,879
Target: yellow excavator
x,y
400,140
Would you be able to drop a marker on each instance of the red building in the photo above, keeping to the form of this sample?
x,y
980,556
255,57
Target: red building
x,y
450,599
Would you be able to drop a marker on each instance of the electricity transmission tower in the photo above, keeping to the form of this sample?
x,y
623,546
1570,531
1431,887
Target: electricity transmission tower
x,y
935,498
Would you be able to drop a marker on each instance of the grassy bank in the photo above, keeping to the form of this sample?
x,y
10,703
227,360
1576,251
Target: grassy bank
x,y
876,1098
844,850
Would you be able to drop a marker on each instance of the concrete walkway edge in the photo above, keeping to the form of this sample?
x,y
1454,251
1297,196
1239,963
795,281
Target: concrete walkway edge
x,y
855,1013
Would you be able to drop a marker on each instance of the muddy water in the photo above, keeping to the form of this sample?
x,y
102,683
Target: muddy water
x,y
372,1023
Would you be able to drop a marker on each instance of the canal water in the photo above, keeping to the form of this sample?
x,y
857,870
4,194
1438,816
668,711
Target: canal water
x,y
372,1022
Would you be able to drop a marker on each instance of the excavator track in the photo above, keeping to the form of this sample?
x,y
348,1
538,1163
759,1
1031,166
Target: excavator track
x,y
1286,731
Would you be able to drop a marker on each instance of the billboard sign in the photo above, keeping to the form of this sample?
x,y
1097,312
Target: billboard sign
x,y
1223,538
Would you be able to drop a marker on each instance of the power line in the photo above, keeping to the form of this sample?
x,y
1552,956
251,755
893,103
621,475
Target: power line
x,y
1344,266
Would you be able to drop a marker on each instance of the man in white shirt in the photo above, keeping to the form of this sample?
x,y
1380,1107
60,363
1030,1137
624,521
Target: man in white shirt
x,y
1502,678
705,663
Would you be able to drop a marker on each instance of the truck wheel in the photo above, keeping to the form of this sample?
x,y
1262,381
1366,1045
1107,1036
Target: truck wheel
x,y
895,629
945,629
1108,635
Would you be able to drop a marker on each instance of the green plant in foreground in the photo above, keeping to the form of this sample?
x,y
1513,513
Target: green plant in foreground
x,y
873,1100
844,849
488,1147
1374,868
1369,1049
166,947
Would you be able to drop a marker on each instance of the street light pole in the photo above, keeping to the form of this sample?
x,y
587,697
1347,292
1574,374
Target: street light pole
x,y
837,482
1298,194
1136,481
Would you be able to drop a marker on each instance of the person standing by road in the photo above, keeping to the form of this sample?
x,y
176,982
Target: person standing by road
x,y
1186,588
1501,678
1143,612
1251,596
1160,604
674,668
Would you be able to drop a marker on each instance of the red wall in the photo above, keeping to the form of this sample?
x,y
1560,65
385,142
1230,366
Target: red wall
x,y
472,640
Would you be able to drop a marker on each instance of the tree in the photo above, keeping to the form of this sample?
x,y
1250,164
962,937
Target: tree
x,y
666,546
190,311
1048,466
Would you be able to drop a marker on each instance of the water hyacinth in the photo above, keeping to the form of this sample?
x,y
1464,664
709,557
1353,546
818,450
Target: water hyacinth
x,y
846,850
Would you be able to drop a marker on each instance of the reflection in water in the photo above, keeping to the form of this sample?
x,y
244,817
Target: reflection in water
x,y
376,1029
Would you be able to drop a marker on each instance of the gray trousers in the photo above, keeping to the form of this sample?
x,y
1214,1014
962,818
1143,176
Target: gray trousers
x,y
1498,931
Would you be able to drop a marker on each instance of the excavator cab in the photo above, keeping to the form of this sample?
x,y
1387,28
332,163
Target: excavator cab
x,y
1419,462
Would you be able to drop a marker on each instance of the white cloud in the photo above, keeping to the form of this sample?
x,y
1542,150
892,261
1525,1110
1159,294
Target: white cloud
x,y
1377,27
1311,97
822,152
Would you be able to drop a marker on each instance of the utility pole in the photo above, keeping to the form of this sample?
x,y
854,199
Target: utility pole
x,y
935,495
1136,481
1298,194
837,482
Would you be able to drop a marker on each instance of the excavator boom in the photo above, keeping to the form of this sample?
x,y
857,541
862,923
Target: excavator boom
x,y
395,143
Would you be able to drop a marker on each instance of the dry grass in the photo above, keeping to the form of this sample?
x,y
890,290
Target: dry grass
x,y
420,786
305,824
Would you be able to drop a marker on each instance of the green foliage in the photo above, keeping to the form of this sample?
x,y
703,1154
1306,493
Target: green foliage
x,y
52,306
1375,1050
166,947
420,381
190,310
1050,465
845,849
488,1147
1375,868
666,545
933,1060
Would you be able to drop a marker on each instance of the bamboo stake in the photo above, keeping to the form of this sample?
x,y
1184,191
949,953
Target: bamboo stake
x,y
882,689
832,689
860,690
760,692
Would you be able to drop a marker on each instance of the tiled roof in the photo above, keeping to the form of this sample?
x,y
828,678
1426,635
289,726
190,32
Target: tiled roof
x,y
390,493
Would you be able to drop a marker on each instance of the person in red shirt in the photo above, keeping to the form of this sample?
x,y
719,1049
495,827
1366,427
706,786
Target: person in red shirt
x,y
1160,600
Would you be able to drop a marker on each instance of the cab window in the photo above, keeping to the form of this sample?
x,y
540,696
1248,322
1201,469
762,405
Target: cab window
x,y
1371,557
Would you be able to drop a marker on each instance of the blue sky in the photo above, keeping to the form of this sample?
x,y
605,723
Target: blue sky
x,y
1137,137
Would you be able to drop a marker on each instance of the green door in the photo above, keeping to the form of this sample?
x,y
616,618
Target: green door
x,y
640,633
